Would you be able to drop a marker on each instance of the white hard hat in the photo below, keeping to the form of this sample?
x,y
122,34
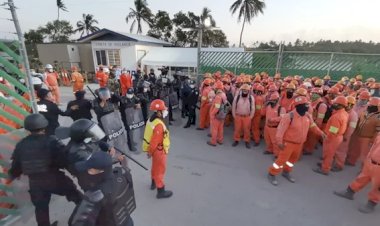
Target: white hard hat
x,y
36,81
48,66
307,84
106,70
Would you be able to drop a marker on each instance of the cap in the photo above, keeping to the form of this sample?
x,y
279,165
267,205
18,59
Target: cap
x,y
42,93
98,160
130,91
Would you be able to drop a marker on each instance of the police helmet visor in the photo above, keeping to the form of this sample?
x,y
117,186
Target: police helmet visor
x,y
95,132
104,94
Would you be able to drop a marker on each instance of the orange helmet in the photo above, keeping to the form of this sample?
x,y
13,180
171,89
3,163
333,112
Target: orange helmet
x,y
277,76
301,92
327,77
157,105
300,100
207,75
351,100
344,78
291,86
219,85
207,81
352,80
375,86
318,82
317,91
245,87
274,96
333,90
257,78
374,101
358,83
260,88
297,77
365,95
341,100
288,79
284,85
226,79
272,88
359,77
239,79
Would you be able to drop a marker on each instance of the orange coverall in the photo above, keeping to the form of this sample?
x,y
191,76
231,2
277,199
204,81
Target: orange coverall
x,y
370,173
243,114
292,134
318,115
255,125
125,83
341,152
216,125
52,84
102,79
285,103
156,150
362,138
272,119
78,81
204,111
335,128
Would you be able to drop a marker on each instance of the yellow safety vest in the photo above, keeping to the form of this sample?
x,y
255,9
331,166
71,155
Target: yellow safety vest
x,y
149,128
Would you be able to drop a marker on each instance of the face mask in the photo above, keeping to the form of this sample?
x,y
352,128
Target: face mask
x,y
372,91
165,113
129,96
272,103
50,70
336,107
244,94
372,109
314,97
302,109
192,86
289,94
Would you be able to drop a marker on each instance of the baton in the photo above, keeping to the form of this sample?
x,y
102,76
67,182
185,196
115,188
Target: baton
x,y
134,160
91,91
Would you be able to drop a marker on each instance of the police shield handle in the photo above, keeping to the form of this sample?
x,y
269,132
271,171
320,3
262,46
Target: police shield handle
x,y
134,160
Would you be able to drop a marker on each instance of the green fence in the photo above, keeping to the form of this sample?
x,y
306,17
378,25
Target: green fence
x,y
292,63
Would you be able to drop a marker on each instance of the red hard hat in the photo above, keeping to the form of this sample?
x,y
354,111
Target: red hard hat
x,y
260,88
301,92
317,91
272,88
333,90
374,101
239,79
157,105
351,100
300,100
365,95
274,96
341,100
226,79
219,85
207,81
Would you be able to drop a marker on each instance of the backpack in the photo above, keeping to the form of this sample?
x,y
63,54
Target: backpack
x,y
223,111
327,114
230,97
250,102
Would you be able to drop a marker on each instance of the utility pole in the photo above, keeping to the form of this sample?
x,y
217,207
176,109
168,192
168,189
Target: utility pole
x,y
24,55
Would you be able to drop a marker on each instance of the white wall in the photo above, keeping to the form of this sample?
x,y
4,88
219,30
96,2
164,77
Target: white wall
x,y
73,52
128,58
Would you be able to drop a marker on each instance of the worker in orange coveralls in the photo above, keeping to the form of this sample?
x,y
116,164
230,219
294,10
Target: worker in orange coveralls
x,y
335,128
102,77
125,82
259,107
204,111
77,80
341,152
332,93
369,174
364,132
157,137
273,113
361,105
51,80
290,136
243,109
286,100
217,124
319,110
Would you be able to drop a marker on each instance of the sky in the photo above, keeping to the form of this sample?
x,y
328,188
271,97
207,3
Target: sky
x,y
283,20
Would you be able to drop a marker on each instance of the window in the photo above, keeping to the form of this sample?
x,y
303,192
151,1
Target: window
x,y
113,57
101,57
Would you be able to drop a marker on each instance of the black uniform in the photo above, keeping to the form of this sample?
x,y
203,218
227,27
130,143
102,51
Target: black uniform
x,y
100,111
191,104
164,87
144,99
41,157
124,104
83,111
185,92
51,111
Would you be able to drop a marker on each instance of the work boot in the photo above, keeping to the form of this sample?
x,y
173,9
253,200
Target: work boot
x,y
247,145
235,143
220,143
336,169
257,144
349,164
152,185
162,193
368,208
320,171
200,128
347,194
187,125
267,153
272,179
288,177
211,144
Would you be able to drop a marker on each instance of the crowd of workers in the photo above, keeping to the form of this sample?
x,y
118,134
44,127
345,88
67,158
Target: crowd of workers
x,y
292,115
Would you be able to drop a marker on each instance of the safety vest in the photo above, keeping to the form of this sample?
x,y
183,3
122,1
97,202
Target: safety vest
x,y
149,128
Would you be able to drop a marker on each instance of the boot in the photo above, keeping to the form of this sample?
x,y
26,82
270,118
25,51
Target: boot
x,y
368,208
288,177
200,128
320,171
257,144
211,144
187,125
272,179
347,194
162,193
247,145
267,153
235,143
152,185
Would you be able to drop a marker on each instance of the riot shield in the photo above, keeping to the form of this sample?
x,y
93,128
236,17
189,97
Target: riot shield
x,y
114,129
135,122
166,100
173,99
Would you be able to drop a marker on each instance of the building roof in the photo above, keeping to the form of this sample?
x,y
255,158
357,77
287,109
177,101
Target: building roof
x,y
108,35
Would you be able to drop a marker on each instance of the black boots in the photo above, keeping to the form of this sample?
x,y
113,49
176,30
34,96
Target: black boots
x,y
162,193
247,145
272,179
288,177
347,194
368,208
234,144
152,185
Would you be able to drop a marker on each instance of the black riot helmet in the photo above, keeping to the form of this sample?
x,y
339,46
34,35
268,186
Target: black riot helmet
x,y
34,122
83,129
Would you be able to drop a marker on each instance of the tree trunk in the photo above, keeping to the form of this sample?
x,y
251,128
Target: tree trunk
x,y
241,33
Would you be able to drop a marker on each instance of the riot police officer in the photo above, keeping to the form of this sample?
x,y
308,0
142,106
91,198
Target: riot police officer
x,y
40,157
104,104
164,88
83,106
143,95
191,101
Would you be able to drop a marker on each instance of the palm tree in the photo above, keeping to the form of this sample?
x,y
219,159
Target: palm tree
x,y
248,9
61,6
141,13
87,25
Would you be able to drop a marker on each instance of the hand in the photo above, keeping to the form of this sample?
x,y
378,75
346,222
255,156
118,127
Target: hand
x,y
121,158
112,151
281,146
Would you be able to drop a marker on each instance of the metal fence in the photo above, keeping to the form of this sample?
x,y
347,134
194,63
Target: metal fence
x,y
293,63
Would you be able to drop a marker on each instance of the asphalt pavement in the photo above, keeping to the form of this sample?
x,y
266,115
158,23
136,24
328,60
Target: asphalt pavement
x,y
224,186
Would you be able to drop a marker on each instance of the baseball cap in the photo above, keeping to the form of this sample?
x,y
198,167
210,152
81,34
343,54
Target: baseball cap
x,y
98,160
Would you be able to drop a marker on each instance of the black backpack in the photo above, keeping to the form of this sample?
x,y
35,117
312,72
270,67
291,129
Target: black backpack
x,y
223,110
327,114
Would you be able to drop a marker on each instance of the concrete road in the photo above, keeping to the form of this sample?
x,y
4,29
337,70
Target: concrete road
x,y
228,186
